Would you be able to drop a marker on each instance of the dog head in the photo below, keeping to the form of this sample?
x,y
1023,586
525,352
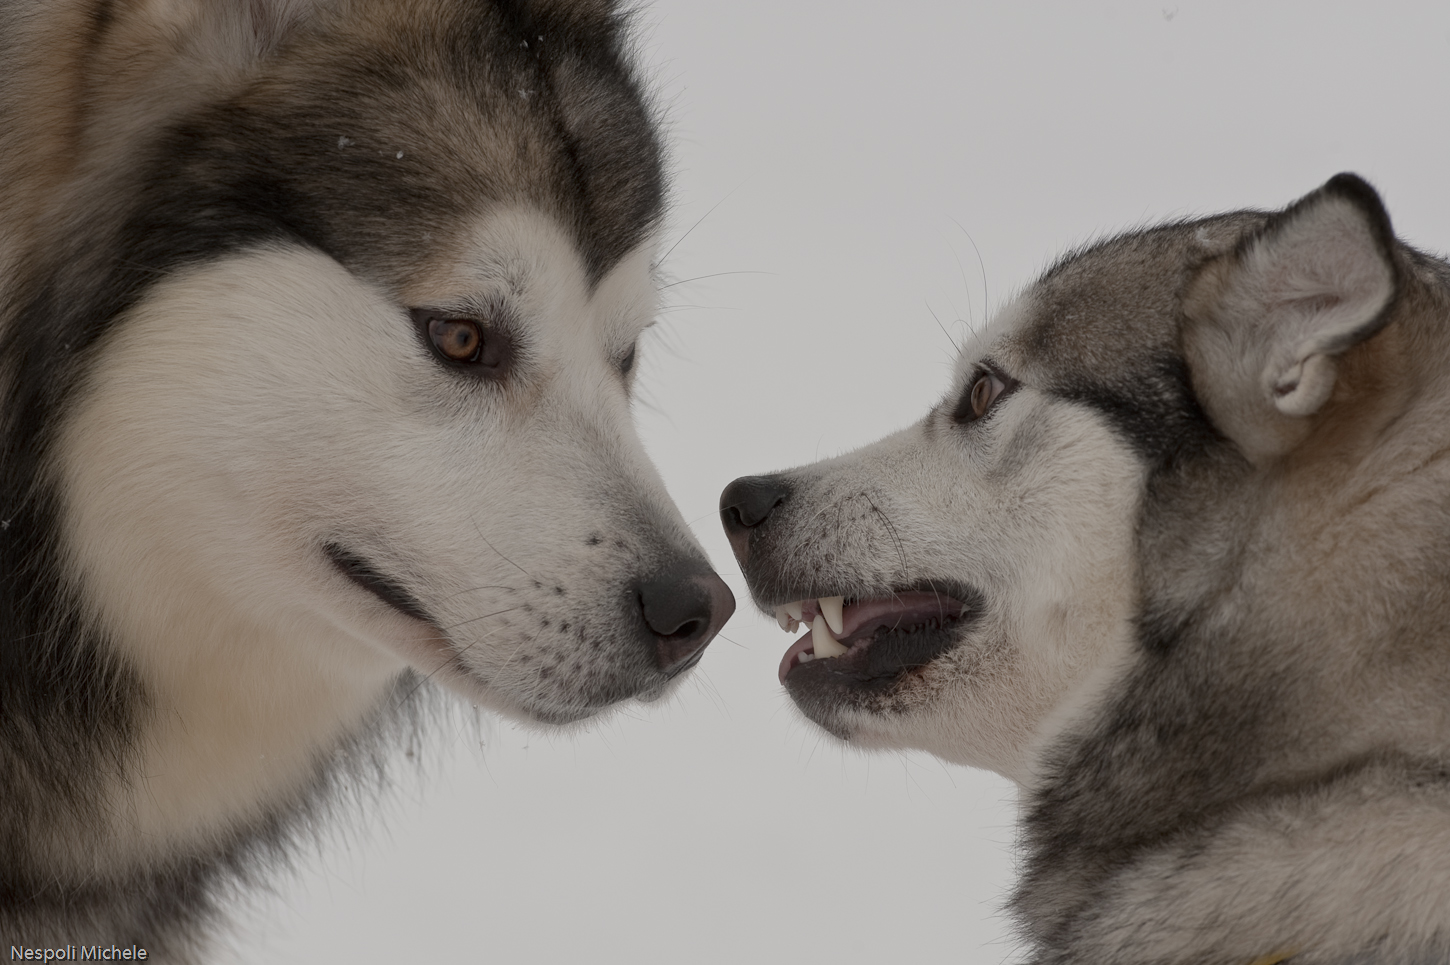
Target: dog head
x,y
1113,447
337,306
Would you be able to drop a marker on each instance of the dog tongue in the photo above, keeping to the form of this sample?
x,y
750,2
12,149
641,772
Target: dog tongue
x,y
903,609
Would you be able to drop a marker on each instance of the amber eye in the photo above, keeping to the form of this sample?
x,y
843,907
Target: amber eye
x,y
481,347
985,390
458,339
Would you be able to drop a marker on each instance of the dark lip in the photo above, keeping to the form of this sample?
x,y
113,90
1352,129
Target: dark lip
x,y
367,576
876,663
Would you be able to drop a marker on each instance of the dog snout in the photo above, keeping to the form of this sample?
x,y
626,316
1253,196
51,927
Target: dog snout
x,y
745,504
683,613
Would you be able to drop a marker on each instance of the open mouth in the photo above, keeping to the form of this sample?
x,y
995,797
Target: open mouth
x,y
879,638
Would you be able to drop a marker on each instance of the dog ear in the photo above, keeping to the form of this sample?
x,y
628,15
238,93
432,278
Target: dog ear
x,y
1266,323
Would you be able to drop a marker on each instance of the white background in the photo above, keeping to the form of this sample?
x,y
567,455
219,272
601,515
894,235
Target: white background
x,y
841,159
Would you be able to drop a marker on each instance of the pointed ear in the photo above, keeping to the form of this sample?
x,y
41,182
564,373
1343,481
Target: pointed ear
x,y
1267,322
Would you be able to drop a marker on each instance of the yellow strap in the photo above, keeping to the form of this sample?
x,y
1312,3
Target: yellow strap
x,y
1274,958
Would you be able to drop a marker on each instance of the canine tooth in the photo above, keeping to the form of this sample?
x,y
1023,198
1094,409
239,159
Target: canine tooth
x,y
822,642
796,610
831,609
782,618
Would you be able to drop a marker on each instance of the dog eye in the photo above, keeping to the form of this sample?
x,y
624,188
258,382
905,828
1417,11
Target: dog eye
x,y
460,340
985,390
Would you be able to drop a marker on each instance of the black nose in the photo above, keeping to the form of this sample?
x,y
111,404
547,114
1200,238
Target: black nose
x,y
683,613
746,503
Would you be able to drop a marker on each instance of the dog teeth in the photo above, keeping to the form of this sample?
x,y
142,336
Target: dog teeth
x,y
822,642
830,620
827,622
831,609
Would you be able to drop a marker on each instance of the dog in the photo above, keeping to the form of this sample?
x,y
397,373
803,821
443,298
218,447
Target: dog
x,y
1172,554
319,334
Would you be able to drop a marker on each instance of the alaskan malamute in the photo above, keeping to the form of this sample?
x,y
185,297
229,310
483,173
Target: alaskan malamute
x,y
1174,554
318,326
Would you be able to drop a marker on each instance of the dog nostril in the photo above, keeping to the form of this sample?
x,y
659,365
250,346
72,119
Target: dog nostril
x,y
733,520
749,501
661,607
683,614
686,630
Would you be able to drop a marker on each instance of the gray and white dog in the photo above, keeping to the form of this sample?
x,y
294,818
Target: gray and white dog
x,y
318,327
1174,554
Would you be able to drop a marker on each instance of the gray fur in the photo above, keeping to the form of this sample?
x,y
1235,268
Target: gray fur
x,y
219,222
1240,749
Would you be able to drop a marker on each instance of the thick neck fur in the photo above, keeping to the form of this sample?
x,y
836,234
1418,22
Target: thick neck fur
x,y
1293,646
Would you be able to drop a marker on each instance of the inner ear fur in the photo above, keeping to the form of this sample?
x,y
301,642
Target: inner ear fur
x,y
1266,324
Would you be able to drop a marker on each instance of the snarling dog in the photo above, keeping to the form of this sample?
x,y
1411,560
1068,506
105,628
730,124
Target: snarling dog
x,y
1174,554
318,328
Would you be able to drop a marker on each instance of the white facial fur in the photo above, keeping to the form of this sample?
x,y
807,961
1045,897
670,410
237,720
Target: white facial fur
x,y
1034,507
252,409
